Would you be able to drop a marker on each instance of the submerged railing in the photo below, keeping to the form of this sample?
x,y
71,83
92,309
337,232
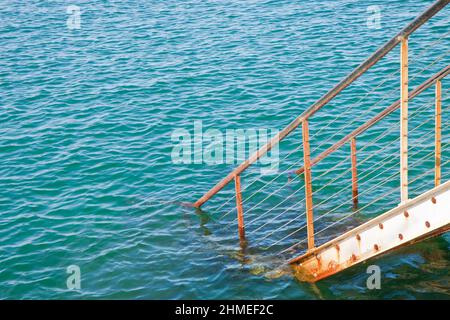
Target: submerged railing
x,y
405,96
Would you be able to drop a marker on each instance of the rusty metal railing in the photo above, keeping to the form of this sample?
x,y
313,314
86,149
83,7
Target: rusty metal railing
x,y
405,96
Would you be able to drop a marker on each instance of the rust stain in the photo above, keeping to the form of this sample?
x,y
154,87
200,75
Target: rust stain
x,y
427,224
303,274
433,199
311,270
332,266
319,263
400,236
406,214
358,238
381,226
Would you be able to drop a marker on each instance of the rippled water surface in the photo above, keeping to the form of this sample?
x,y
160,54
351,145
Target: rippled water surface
x,y
87,115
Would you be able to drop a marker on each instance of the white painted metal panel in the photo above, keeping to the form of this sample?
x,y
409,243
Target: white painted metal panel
x,y
424,216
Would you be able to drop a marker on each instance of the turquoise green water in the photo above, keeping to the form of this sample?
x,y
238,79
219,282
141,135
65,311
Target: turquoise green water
x,y
86,174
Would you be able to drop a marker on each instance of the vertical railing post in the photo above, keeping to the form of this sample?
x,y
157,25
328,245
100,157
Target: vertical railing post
x,y
240,211
437,163
308,185
354,174
404,120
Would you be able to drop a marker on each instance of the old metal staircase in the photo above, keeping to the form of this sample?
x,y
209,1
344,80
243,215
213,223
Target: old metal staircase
x,y
412,220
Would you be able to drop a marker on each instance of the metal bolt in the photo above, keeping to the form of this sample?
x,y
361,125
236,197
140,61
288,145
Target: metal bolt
x,y
406,214
400,236
433,199
358,237
427,224
375,246
381,226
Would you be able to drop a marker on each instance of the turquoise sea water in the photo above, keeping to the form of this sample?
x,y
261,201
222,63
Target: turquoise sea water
x,y
86,174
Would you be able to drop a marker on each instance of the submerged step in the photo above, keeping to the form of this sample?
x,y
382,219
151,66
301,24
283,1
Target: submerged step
x,y
422,217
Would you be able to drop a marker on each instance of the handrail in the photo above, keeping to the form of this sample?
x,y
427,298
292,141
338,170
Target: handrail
x,y
419,89
355,74
377,56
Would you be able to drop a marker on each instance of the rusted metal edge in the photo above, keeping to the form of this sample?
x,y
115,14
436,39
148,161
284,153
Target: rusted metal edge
x,y
418,90
404,97
431,234
354,172
355,74
438,133
401,208
308,186
240,211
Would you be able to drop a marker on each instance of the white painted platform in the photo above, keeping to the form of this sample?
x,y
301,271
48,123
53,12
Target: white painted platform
x,y
422,217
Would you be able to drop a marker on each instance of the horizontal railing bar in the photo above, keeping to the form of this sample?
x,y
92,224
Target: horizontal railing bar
x,y
428,83
355,74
